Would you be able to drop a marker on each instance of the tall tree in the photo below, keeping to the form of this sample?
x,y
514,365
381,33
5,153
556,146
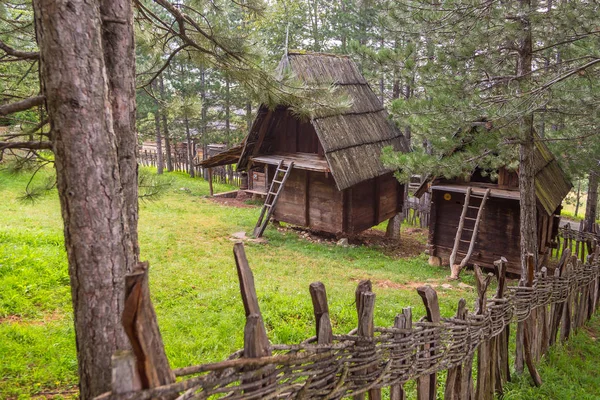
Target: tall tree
x,y
500,65
87,66
591,208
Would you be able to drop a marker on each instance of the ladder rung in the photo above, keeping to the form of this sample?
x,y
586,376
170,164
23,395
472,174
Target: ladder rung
x,y
468,229
476,207
471,219
275,193
276,181
466,241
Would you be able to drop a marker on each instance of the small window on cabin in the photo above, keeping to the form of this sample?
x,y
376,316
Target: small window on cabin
x,y
482,176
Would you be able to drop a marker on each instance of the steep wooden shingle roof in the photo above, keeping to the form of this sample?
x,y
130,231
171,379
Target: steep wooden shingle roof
x,y
352,139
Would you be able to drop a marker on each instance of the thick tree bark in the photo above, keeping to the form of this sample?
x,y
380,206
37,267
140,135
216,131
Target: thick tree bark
x,y
528,209
592,200
119,56
78,98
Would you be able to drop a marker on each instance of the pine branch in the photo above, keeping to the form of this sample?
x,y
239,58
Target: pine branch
x,y
21,105
22,55
31,145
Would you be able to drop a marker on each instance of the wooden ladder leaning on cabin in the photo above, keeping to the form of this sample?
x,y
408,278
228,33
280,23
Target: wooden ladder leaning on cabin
x,y
473,228
272,196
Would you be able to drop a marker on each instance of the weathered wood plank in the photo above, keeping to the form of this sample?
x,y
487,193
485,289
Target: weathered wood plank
x,y
321,311
402,321
427,385
454,378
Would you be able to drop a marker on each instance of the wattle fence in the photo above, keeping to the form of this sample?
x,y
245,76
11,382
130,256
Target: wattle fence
x,y
581,243
546,307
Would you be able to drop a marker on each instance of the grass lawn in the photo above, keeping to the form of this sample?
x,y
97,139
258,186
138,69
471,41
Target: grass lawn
x,y
187,240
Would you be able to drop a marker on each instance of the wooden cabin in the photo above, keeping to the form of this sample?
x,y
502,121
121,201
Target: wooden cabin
x,y
498,234
338,183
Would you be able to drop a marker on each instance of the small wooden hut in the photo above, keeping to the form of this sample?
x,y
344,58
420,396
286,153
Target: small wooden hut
x,y
338,183
498,231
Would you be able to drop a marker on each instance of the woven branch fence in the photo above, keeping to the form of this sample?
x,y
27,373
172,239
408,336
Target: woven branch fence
x,y
546,307
579,242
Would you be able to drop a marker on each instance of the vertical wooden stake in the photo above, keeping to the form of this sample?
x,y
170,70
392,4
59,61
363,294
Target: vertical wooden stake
x,y
500,362
402,321
527,344
321,310
365,306
210,182
485,378
427,385
256,342
455,374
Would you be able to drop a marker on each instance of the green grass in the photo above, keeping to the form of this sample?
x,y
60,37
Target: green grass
x,y
186,239
568,372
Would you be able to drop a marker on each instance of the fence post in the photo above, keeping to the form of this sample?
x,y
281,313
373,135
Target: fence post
x,y
321,311
141,327
365,307
256,342
527,325
427,385
454,377
210,182
503,369
565,324
402,321
485,378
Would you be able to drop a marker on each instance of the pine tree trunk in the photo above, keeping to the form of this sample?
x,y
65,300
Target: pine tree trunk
x,y
203,117
592,201
159,153
166,128
84,114
578,198
190,148
119,56
528,209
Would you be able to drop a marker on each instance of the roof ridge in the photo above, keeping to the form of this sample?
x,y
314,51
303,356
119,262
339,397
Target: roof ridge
x,y
298,52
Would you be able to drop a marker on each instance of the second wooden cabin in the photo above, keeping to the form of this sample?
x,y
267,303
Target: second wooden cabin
x,y
499,229
338,183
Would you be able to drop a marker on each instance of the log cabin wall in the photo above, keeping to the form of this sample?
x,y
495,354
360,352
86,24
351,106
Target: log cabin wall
x,y
290,135
311,199
498,235
371,202
499,227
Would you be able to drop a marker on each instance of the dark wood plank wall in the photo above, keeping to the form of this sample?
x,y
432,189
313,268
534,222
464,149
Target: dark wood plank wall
x,y
508,178
320,207
372,202
291,135
325,203
498,233
499,228
291,203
